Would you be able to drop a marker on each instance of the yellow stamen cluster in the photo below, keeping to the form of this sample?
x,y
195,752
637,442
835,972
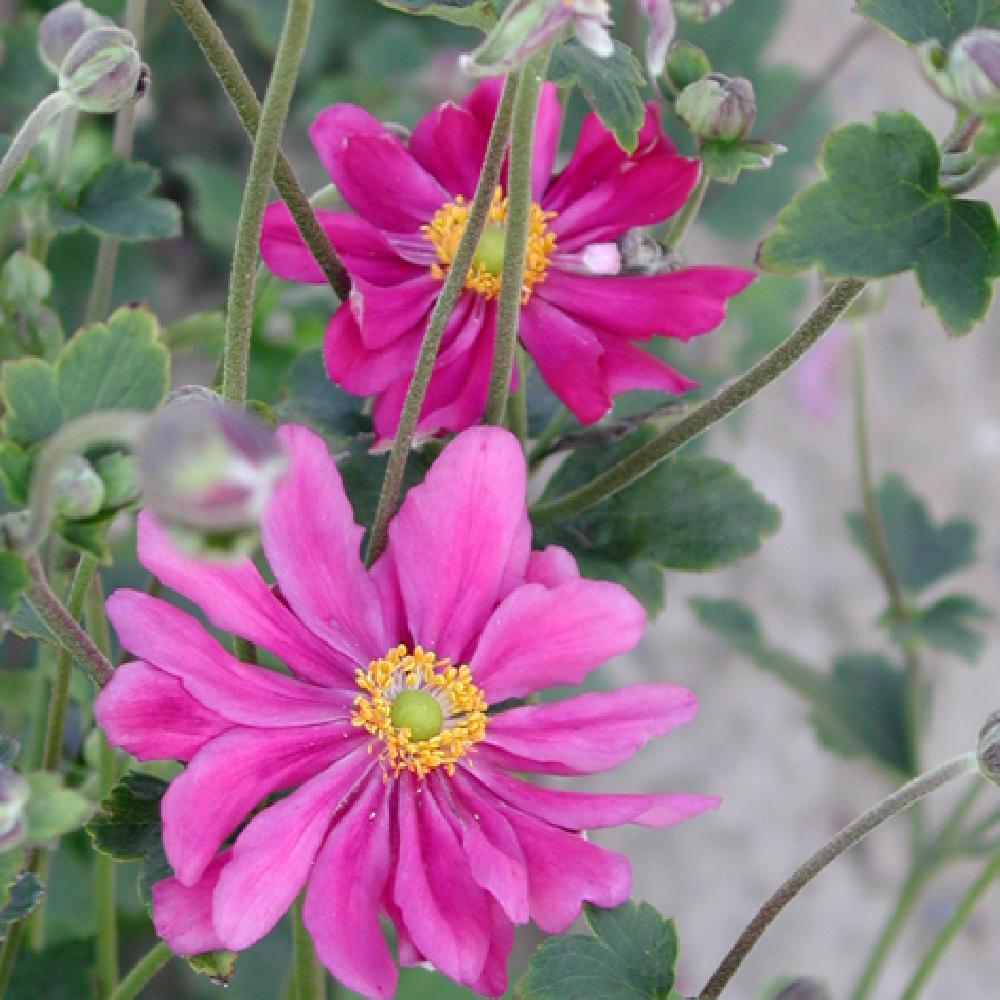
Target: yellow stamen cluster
x,y
445,230
463,710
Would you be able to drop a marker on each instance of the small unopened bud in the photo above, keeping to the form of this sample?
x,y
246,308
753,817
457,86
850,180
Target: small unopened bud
x,y
974,67
717,107
207,467
101,72
700,10
77,489
988,749
60,28
686,64
800,989
13,799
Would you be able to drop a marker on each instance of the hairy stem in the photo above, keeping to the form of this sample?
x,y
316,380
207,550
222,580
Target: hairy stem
x,y
955,923
144,970
30,132
277,99
241,95
450,291
309,976
522,140
681,222
850,835
641,461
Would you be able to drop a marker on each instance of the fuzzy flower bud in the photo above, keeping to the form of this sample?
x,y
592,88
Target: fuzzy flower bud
x,y
717,107
60,28
13,799
207,467
77,489
974,68
988,749
686,64
700,10
103,70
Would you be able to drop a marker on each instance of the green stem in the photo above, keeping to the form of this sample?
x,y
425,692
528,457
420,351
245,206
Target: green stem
x,y
143,972
954,924
451,289
11,946
643,459
30,132
277,99
517,408
522,140
99,301
64,625
105,915
309,976
842,841
688,213
241,95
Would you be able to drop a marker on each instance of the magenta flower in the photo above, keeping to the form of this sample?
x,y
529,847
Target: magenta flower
x,y
401,798
581,318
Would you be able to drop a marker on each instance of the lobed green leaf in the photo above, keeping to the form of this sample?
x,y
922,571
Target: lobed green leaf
x,y
915,21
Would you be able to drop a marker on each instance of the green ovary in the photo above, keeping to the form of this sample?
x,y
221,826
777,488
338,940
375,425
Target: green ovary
x,y
419,712
489,253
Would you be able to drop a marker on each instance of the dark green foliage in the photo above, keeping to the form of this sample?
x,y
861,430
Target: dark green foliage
x,y
62,971
917,20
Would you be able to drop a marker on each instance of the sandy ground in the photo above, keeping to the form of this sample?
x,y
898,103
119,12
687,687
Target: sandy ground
x,y
935,418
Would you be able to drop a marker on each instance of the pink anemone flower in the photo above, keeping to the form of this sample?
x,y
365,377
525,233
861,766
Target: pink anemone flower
x,y
392,734
581,319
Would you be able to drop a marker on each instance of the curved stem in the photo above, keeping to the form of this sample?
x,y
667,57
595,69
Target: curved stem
x,y
64,626
142,972
522,140
29,134
954,924
277,99
241,95
454,282
688,213
99,301
857,829
836,302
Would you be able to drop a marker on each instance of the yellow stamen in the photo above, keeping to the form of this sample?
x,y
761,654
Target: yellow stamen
x,y
462,703
445,230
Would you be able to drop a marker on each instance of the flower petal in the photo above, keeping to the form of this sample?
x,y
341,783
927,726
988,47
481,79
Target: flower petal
x,y
454,536
313,546
151,715
385,313
229,776
540,637
628,367
450,143
372,170
591,732
182,914
551,566
236,599
273,855
547,126
167,638
341,910
568,356
364,251
359,369
681,304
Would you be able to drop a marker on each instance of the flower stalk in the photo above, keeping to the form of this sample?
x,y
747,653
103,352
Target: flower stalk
x,y
451,289
144,970
841,842
277,99
522,139
766,371
29,133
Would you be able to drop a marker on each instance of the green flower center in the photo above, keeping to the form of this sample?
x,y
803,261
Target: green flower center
x,y
489,253
419,712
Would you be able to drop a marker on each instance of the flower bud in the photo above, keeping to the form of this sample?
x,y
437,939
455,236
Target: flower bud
x,y
207,467
686,64
77,489
974,68
700,10
60,28
800,989
988,749
102,71
717,107
13,799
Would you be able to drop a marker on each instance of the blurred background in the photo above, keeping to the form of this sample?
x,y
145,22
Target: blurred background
x,y
934,418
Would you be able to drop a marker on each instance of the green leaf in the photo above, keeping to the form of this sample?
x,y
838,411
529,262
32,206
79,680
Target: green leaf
x,y
612,86
362,475
59,972
14,580
217,194
116,201
921,551
629,956
20,890
471,13
203,331
217,965
644,579
917,20
312,399
52,809
25,623
881,211
15,471
948,625
866,711
118,366
725,161
32,408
